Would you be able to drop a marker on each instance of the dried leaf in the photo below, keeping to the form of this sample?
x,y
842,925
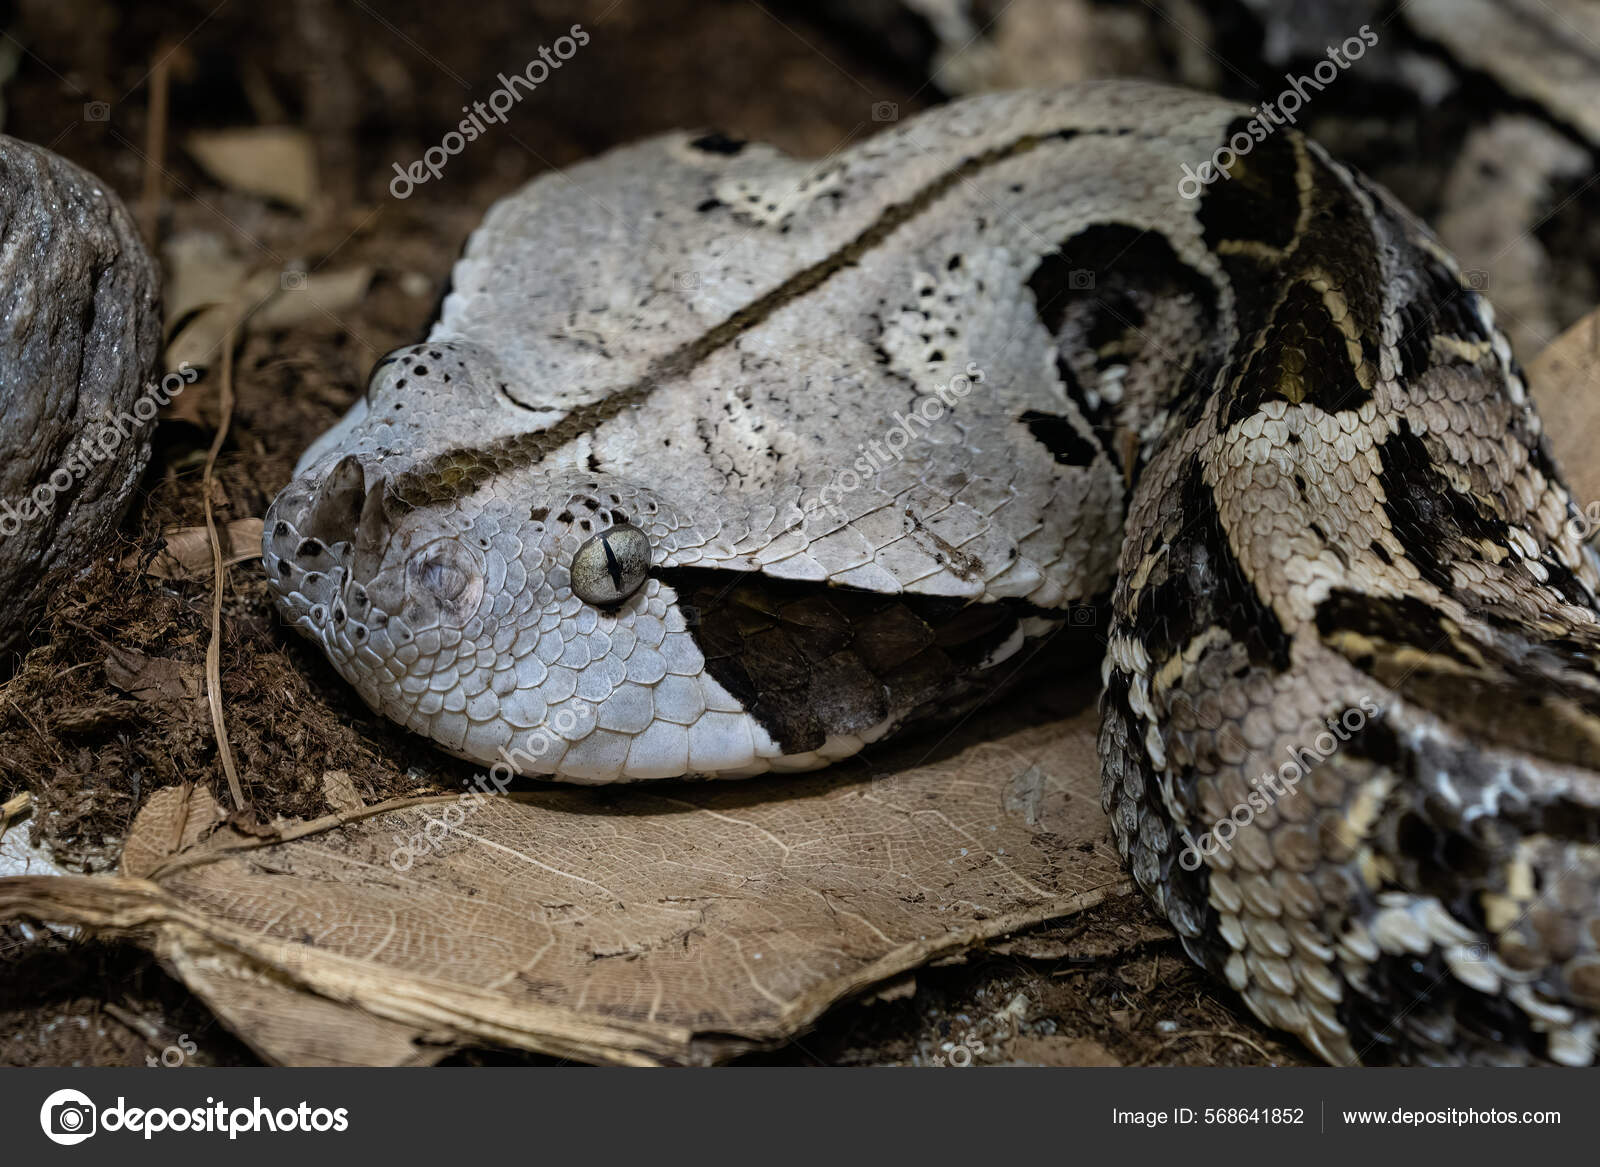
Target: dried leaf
x,y
202,270
199,344
341,792
648,924
278,162
95,716
186,551
151,678
1565,382
312,298
264,301
173,820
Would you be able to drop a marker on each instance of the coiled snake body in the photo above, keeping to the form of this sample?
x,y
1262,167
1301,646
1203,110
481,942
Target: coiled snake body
x,y
719,462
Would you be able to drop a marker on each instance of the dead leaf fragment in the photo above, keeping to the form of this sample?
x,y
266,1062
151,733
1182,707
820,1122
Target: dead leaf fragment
x,y
1565,382
202,270
186,551
313,297
95,716
199,344
173,820
277,162
151,678
341,792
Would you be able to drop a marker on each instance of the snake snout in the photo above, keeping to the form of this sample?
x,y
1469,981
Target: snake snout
x,y
321,535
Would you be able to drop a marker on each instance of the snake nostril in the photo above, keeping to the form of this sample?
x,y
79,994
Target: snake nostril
x,y
334,511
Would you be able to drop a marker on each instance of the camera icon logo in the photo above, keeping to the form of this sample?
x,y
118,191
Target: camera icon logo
x,y
68,1117
686,281
885,111
1477,279
97,111
1080,279
292,281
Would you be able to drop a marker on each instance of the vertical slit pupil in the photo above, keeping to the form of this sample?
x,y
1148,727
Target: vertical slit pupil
x,y
612,566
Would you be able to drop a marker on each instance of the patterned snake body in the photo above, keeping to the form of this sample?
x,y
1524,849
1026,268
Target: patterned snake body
x,y
719,462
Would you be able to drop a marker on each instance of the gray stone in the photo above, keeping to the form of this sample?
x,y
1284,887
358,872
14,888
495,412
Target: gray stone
x,y
80,335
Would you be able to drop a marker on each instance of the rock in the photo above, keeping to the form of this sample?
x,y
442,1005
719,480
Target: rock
x,y
80,334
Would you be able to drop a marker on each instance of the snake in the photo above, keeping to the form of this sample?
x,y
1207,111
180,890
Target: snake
x,y
719,462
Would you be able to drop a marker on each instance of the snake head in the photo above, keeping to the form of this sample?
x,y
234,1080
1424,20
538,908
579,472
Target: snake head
x,y
512,610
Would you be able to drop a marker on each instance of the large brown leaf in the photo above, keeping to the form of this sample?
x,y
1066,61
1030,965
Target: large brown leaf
x,y
646,924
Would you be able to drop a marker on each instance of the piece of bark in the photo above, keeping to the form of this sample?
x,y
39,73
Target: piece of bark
x,y
80,334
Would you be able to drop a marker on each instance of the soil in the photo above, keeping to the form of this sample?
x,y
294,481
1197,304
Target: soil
x,y
375,88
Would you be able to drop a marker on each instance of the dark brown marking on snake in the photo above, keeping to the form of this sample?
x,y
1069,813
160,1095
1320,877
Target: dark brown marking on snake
x,y
458,472
1435,523
717,142
1131,793
1288,285
1257,197
809,662
1438,306
1300,357
1199,584
1061,436
1353,618
962,564
1091,293
1497,696
1443,1018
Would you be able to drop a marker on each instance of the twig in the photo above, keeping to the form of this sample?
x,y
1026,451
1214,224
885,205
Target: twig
x,y
35,727
1231,1036
13,809
196,856
143,1026
219,581
181,821
155,146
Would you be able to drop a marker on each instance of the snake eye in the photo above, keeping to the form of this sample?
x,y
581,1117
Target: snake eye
x,y
610,567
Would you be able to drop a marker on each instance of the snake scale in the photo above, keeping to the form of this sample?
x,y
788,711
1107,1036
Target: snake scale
x,y
718,462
